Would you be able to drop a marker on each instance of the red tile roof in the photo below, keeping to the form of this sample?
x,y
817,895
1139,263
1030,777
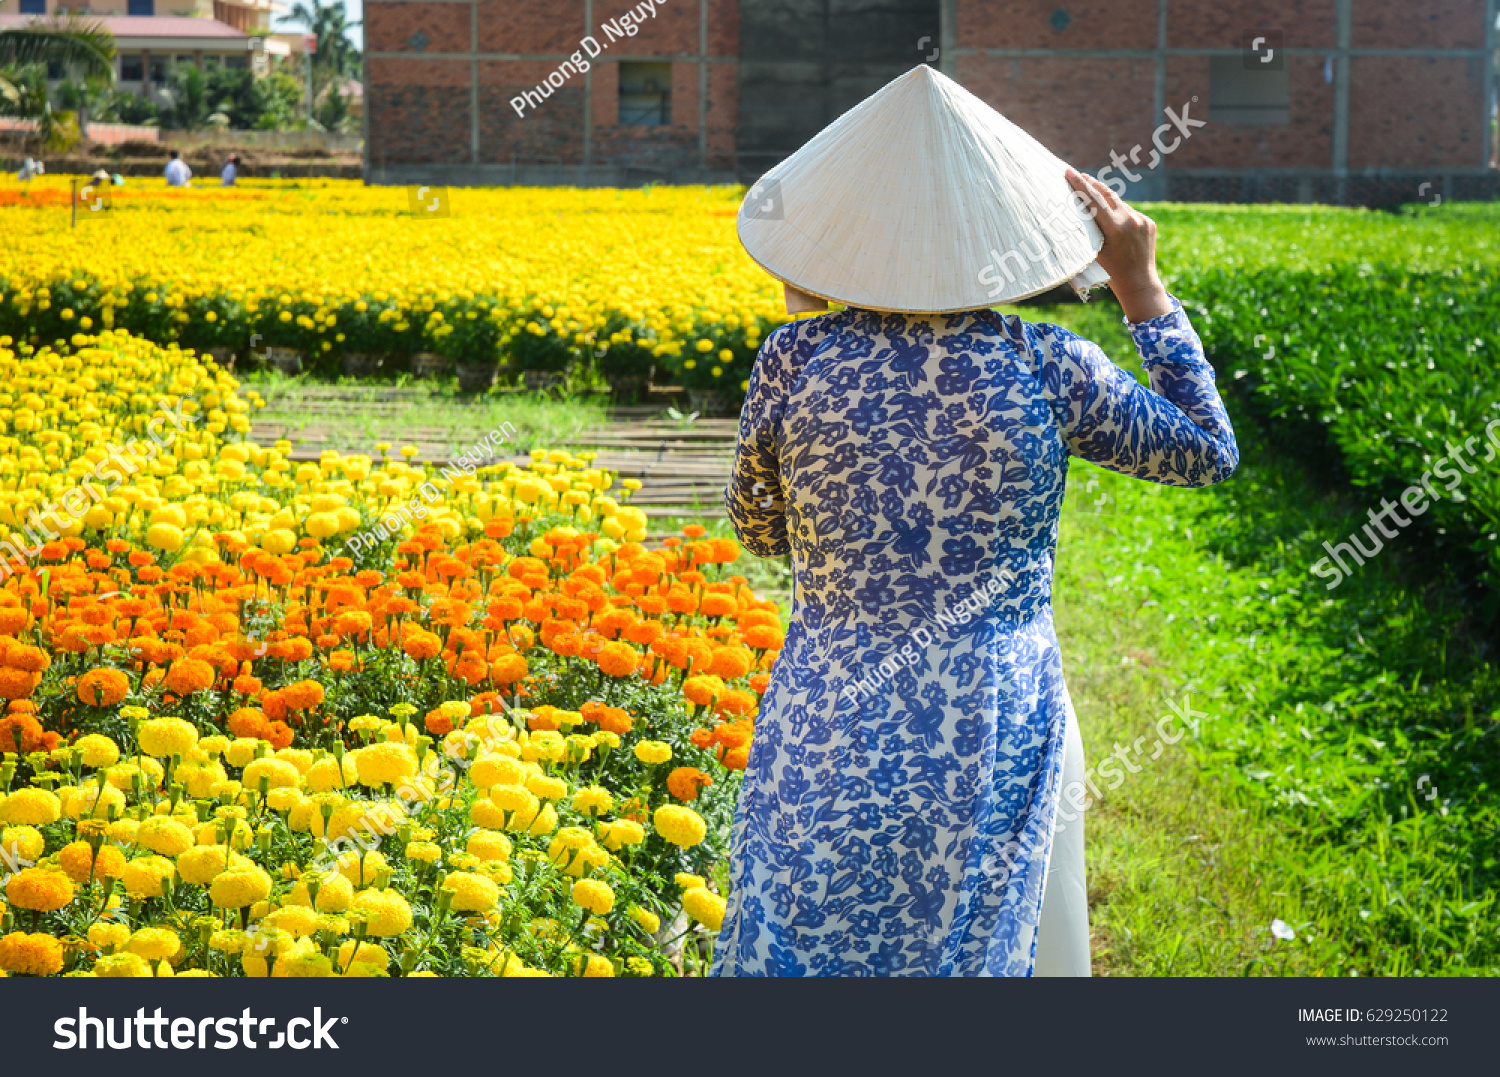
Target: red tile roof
x,y
126,27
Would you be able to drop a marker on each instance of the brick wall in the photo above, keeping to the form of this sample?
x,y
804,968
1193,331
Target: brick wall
x,y
442,74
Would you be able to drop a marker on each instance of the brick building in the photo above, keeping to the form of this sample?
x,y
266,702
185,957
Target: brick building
x,y
1298,100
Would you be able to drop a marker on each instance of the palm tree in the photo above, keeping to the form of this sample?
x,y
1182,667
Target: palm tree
x,y
334,57
74,42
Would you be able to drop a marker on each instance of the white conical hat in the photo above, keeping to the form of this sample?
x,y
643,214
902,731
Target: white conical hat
x,y
921,198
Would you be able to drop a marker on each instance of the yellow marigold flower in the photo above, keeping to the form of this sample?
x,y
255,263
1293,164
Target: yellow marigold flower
x,y
424,852
97,750
241,751
595,965
304,963
125,965
154,943
618,833
382,764
327,774
487,815
489,845
238,887
107,933
367,953
514,798
89,801
296,920
653,751
593,800
165,835
283,799
166,737
40,889
279,773
679,825
30,807
164,537
204,863
593,895
546,787
492,770
22,843
648,921
361,869
472,893
386,912
31,955
335,892
704,906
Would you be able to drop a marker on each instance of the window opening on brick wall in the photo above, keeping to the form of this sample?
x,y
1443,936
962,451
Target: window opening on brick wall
x,y
1238,94
646,94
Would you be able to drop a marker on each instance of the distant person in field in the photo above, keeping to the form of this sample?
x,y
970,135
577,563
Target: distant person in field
x,y
231,170
178,173
30,170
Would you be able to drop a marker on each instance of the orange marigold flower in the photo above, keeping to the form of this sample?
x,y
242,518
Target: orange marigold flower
x,y
508,669
17,683
14,619
764,637
731,663
280,735
438,723
651,605
25,657
249,723
683,602
615,720
732,735
420,645
702,689
702,738
302,695
736,701
643,633
103,687
40,889
759,682
725,550
189,675
715,605
736,759
685,783
353,623
31,955
618,659
506,609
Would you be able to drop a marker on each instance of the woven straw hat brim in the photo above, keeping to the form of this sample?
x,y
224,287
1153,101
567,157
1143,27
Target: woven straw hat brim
x,y
920,199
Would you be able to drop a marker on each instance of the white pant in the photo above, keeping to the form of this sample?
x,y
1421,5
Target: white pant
x,y
1062,945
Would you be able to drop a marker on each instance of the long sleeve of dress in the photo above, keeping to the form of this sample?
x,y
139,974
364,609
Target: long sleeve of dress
x,y
1176,432
754,498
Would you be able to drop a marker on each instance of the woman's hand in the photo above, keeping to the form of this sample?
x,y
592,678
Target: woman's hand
x,y
1129,251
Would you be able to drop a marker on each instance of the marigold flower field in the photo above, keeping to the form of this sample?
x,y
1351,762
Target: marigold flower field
x,y
504,740
546,279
